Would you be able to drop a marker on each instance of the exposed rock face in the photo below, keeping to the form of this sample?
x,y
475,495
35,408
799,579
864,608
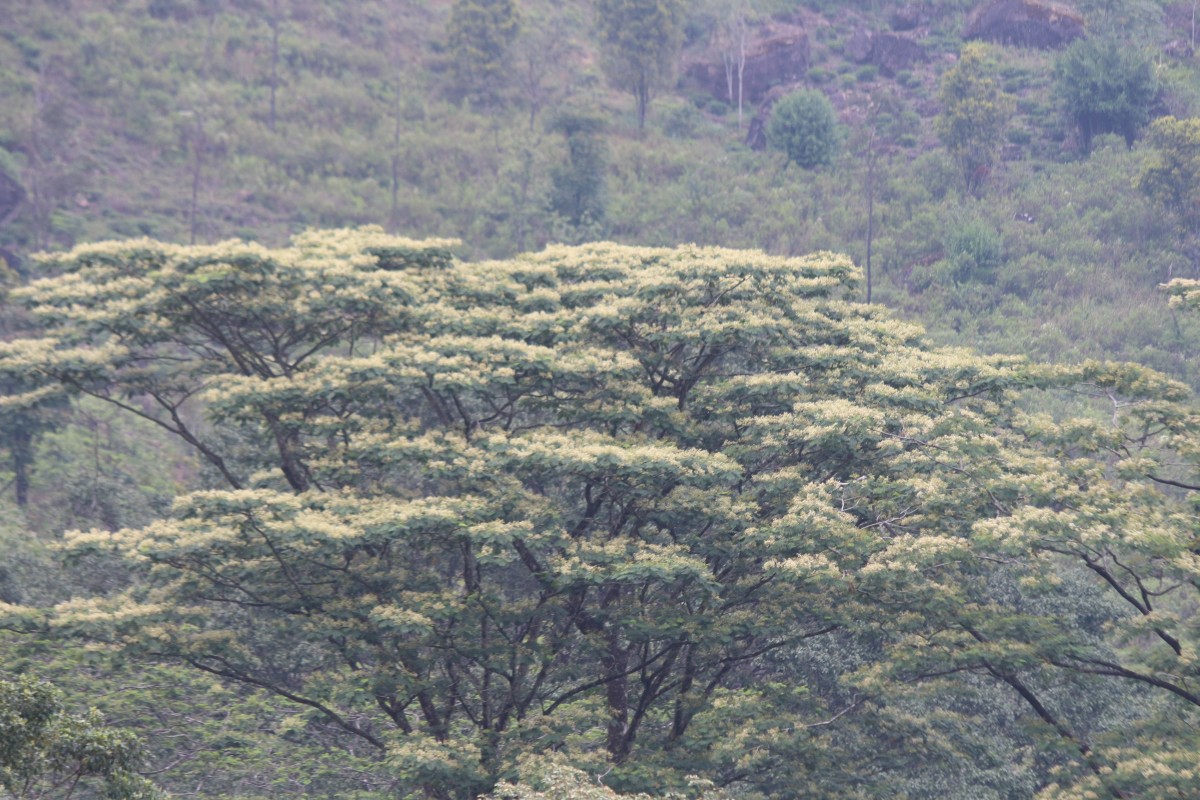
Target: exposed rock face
x,y
895,52
11,196
908,17
859,46
1027,23
891,52
776,54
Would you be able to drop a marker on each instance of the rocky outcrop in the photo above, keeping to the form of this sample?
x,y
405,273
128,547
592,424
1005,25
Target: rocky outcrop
x,y
12,194
756,135
859,46
1026,23
896,52
908,17
891,52
776,54
1178,48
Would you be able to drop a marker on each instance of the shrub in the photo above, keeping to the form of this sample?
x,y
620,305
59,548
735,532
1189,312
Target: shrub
x,y
819,75
804,126
867,72
681,122
1019,136
973,252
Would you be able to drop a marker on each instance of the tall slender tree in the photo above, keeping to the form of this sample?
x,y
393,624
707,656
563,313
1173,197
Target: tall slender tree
x,y
975,110
481,35
641,41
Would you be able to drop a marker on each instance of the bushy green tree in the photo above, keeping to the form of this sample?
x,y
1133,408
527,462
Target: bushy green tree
x,y
974,250
640,40
481,34
48,752
1105,86
1171,177
578,186
974,113
804,126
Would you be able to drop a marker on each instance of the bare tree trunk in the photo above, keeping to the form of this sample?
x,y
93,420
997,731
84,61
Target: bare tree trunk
x,y
642,92
274,59
870,206
394,214
727,57
616,662
741,65
524,181
38,199
197,169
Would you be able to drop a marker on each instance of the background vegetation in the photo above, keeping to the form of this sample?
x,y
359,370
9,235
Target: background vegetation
x,y
199,120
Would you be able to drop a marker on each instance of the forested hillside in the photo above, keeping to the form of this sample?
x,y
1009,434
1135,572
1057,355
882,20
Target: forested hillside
x,y
712,399
201,120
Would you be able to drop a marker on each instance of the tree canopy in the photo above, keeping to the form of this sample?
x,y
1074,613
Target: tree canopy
x,y
975,110
1105,87
481,33
1172,173
659,512
46,751
804,125
640,40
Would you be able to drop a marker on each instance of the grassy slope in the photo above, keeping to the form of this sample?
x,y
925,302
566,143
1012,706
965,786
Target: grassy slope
x,y
117,115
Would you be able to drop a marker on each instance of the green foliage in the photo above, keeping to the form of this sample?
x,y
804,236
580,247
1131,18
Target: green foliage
x,y
974,250
683,121
578,187
1105,87
481,34
100,468
363,136
1171,177
661,512
804,126
22,424
640,40
46,751
546,779
974,114
1139,24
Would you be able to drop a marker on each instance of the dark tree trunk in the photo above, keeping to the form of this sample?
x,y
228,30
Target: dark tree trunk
x,y
21,446
642,93
616,662
274,58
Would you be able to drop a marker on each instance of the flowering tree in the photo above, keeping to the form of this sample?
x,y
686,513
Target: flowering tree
x,y
673,511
